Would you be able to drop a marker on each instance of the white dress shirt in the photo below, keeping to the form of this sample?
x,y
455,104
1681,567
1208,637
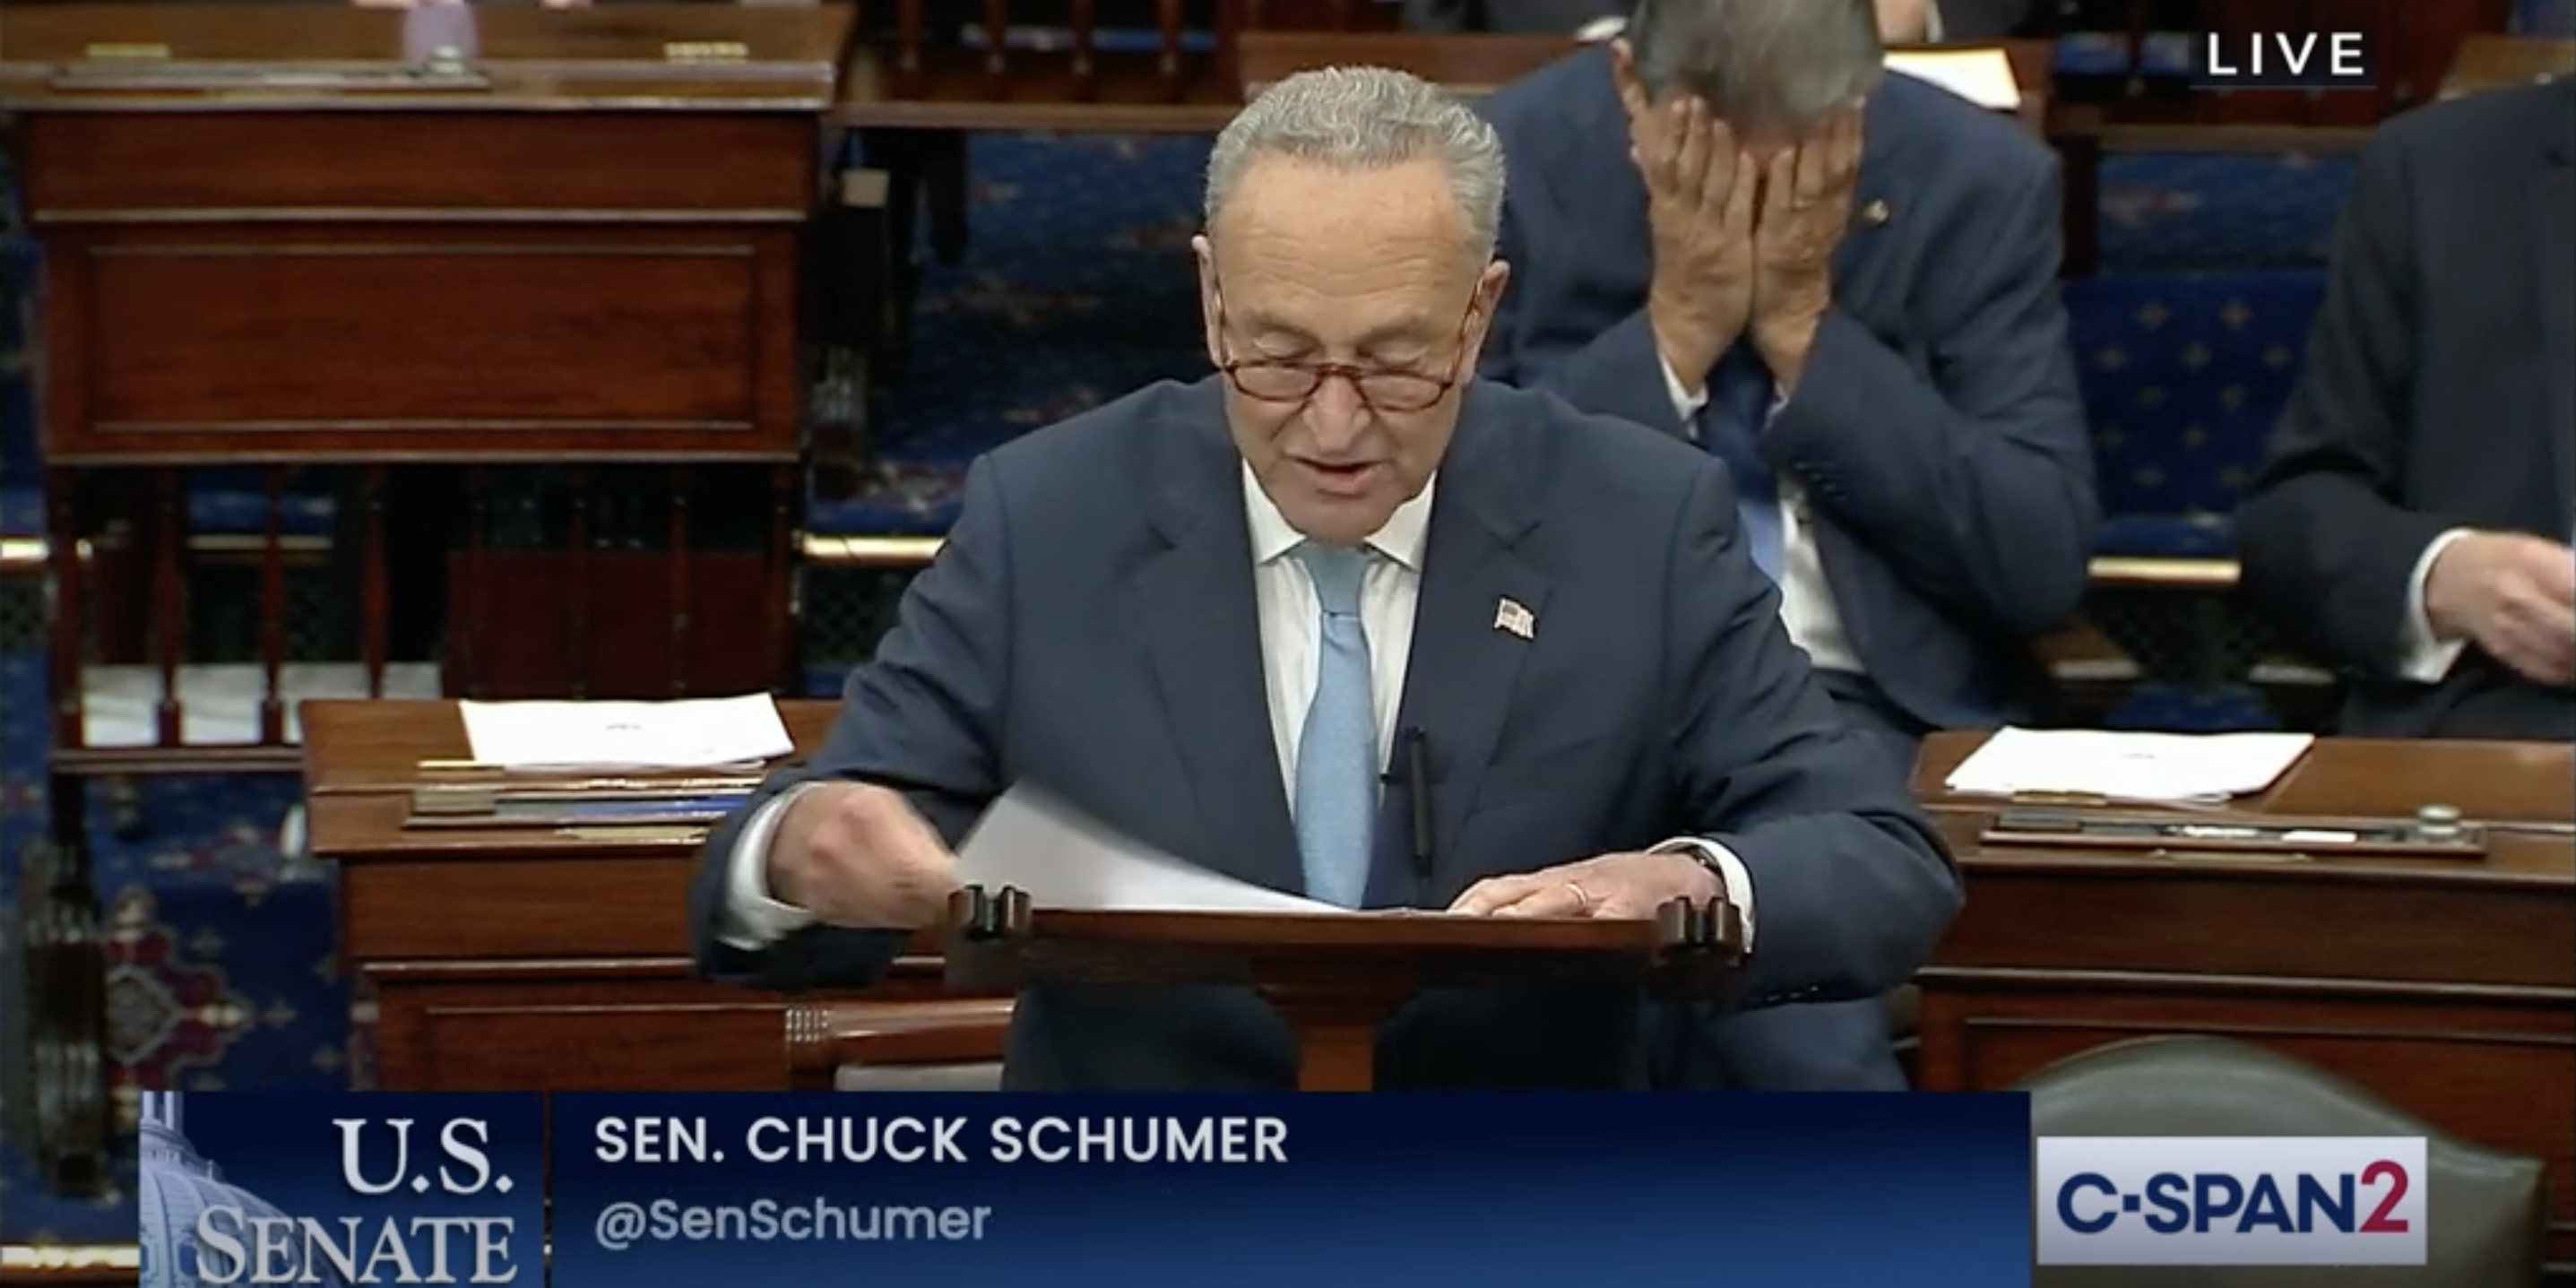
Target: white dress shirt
x,y
2423,656
1807,608
1291,637
1292,625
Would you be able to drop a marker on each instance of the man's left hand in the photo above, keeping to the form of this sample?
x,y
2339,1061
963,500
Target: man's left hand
x,y
1806,206
1613,886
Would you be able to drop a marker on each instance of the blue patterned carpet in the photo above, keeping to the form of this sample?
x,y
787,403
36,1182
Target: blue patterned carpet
x,y
1077,285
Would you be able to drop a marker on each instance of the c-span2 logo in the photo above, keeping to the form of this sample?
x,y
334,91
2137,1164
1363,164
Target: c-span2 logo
x,y
2231,1201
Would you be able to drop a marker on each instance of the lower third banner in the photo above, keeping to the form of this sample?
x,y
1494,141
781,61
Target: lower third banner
x,y
1082,1191
661,1191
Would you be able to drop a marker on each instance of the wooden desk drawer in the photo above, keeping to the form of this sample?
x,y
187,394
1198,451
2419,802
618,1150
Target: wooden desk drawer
x,y
636,1025
2285,923
439,341
553,908
83,166
465,909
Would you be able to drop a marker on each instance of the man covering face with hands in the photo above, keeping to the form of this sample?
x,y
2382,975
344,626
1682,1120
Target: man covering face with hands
x,y
1745,227
1736,226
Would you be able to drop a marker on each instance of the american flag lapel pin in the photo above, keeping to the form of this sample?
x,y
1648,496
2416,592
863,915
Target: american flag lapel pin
x,y
1514,618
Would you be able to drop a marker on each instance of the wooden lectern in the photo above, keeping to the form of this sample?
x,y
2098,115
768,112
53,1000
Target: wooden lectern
x,y
2401,913
1334,978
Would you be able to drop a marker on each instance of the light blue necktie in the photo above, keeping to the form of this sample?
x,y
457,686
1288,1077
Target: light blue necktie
x,y
1337,754
1739,407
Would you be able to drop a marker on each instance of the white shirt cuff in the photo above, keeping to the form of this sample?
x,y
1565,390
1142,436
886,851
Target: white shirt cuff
x,y
751,920
1732,873
1931,22
2421,657
1685,403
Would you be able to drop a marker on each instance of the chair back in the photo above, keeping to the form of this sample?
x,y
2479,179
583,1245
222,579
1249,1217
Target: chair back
x,y
2486,1210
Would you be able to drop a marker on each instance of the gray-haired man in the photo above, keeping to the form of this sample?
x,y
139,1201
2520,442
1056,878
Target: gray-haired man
x,y
1204,614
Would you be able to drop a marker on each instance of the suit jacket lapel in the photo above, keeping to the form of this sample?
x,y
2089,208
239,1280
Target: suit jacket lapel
x,y
1873,205
1464,666
1202,626
2553,211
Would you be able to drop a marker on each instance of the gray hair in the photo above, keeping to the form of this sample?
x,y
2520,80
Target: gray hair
x,y
1366,118
1784,64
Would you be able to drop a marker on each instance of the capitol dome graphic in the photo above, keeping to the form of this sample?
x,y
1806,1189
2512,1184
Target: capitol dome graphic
x,y
176,1184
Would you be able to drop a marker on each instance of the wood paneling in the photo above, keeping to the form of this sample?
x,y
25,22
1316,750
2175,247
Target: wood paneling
x,y
424,341
207,165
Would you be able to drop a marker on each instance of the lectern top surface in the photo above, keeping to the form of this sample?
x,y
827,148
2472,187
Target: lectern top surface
x,y
518,58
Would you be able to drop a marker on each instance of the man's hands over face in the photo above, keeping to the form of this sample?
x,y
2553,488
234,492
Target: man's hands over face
x,y
1700,194
2515,596
1806,206
1739,244
858,855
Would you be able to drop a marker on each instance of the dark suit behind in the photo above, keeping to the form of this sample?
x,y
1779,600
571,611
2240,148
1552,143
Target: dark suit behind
x,y
1090,627
1938,431
2439,391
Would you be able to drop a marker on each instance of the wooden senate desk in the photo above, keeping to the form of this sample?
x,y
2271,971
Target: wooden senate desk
x,y
2445,984
519,958
294,236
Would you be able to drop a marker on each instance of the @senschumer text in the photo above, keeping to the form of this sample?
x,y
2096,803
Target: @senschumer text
x,y
817,1220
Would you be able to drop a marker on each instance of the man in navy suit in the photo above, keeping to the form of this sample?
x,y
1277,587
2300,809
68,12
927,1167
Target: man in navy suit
x,y
2413,522
1734,226
1203,613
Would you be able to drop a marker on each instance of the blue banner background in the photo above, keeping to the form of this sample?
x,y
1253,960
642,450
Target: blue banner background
x,y
283,1150
1552,1191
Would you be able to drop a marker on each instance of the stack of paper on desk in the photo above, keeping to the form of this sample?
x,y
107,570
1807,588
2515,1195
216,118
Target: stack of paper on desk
x,y
1062,859
2155,768
1981,76
699,733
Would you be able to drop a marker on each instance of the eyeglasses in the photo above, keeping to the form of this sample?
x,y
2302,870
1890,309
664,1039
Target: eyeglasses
x,y
1384,390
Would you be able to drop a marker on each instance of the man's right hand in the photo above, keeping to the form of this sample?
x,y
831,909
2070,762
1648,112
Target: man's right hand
x,y
1700,191
858,855
2514,595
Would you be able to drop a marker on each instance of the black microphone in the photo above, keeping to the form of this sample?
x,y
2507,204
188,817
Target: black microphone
x,y
1417,773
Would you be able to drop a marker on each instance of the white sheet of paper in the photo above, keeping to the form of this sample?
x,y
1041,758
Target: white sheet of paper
x,y
2155,768
1981,76
1064,859
695,733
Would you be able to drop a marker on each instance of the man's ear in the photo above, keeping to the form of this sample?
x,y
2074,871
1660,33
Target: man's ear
x,y
1205,255
1623,74
1489,299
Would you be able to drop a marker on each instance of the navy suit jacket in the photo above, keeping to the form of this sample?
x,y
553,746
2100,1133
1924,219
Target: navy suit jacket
x,y
1090,628
1937,430
2438,392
